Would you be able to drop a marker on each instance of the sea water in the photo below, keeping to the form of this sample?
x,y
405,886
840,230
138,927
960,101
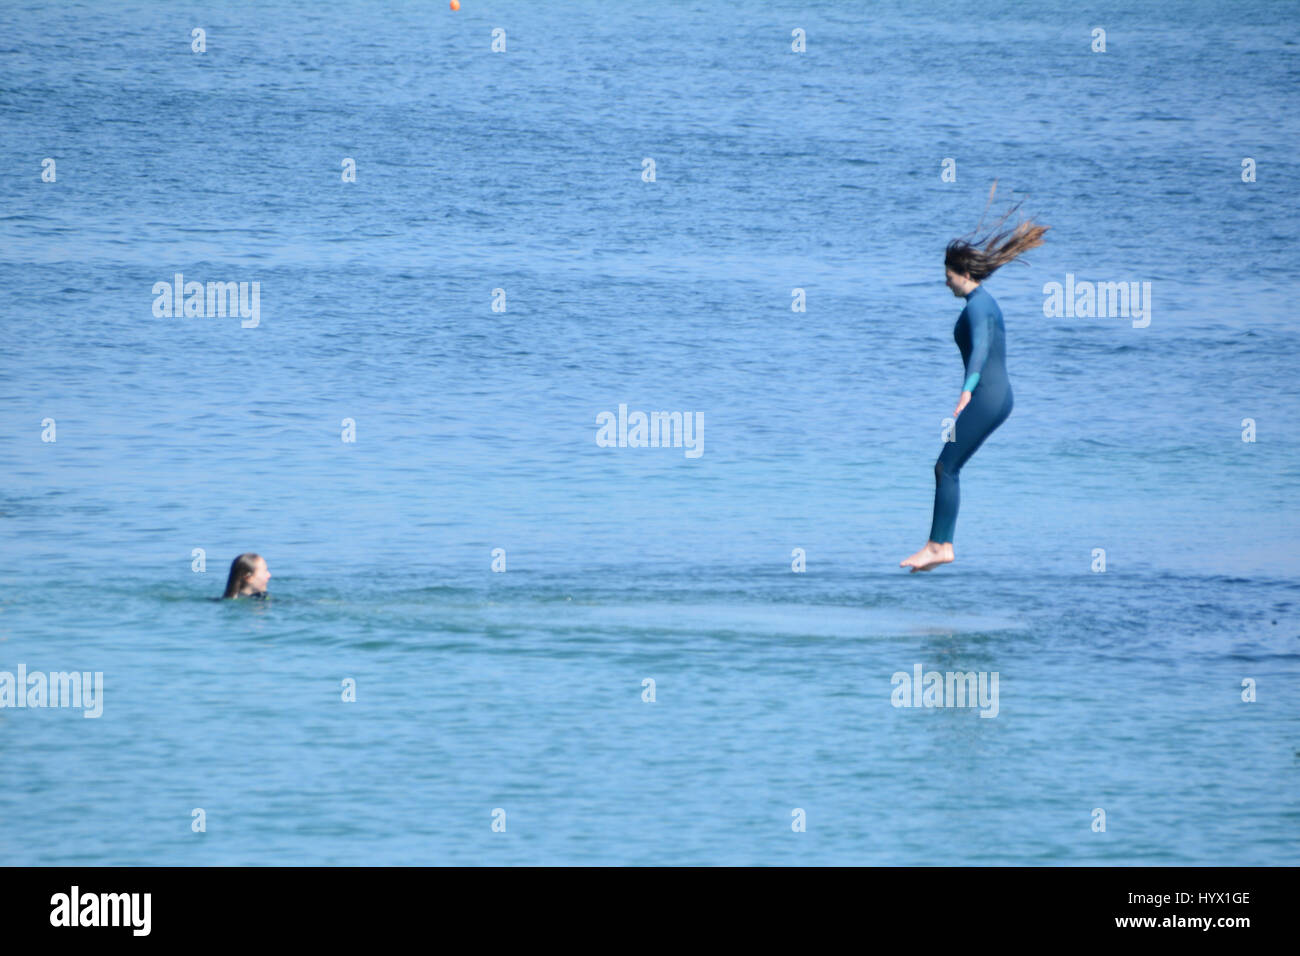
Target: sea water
x,y
678,659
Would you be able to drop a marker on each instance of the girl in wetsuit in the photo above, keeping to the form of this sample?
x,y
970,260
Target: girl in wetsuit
x,y
986,398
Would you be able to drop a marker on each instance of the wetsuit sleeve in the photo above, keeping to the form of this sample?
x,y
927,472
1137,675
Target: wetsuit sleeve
x,y
979,320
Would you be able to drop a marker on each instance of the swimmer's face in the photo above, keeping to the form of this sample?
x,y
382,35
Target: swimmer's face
x,y
261,574
957,283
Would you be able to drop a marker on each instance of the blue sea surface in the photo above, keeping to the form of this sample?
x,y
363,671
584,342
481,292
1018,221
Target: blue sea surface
x,y
649,681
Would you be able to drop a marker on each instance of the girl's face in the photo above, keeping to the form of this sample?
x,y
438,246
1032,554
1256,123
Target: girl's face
x,y
261,574
959,284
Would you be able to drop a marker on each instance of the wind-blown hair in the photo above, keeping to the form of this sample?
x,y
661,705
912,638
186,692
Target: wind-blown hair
x,y
981,258
240,569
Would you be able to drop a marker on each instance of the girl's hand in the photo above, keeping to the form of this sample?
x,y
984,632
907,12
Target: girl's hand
x,y
961,403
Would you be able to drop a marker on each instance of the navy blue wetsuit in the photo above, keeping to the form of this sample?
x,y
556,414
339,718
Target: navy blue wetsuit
x,y
980,335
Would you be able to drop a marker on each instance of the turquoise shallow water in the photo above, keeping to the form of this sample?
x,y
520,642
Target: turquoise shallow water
x,y
476,429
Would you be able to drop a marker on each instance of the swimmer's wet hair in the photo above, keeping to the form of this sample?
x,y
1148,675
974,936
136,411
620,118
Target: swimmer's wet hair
x,y
240,568
981,258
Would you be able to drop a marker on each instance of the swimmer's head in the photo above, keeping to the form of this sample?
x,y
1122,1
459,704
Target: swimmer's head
x,y
248,575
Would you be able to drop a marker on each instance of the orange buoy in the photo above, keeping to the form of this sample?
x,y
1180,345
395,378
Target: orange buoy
x,y
455,4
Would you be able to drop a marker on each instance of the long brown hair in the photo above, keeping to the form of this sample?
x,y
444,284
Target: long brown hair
x,y
981,258
240,569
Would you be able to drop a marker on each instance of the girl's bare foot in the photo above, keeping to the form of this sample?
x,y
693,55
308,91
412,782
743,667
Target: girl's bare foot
x,y
932,555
